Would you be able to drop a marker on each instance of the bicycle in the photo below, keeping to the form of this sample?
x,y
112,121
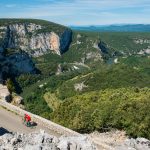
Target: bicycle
x,y
29,124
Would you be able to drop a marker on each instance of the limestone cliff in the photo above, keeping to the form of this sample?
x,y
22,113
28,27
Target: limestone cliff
x,y
22,39
34,38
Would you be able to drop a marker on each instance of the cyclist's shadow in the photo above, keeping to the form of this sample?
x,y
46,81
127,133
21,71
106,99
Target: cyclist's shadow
x,y
34,124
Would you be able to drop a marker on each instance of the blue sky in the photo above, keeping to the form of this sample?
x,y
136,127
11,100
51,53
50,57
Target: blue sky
x,y
79,12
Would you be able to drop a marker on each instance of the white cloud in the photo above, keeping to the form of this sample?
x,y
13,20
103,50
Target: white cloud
x,y
83,11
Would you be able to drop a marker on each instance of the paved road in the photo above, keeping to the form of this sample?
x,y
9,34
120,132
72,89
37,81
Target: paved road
x,y
13,123
10,122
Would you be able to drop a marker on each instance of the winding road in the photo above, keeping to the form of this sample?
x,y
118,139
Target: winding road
x,y
13,123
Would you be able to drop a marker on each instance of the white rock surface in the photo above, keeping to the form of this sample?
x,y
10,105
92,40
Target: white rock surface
x,y
80,86
134,144
117,140
142,41
43,141
25,37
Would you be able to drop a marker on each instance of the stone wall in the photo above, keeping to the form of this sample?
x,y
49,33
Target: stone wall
x,y
47,123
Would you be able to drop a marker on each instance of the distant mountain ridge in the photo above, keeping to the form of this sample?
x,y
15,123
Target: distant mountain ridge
x,y
114,28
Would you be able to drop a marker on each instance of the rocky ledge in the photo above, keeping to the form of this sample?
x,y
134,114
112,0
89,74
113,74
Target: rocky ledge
x,y
43,141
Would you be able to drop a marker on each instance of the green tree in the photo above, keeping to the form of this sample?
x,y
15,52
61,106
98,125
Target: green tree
x,y
10,85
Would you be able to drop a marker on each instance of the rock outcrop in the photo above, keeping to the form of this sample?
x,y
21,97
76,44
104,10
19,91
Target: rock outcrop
x,y
17,101
80,86
43,141
4,93
118,140
33,39
134,144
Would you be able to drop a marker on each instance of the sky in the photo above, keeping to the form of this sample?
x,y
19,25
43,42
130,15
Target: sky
x,y
79,12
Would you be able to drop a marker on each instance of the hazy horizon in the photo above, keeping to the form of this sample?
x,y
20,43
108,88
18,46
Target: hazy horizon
x,y
97,25
79,12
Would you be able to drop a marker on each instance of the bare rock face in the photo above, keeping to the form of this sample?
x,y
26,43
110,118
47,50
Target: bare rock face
x,y
26,36
75,143
44,141
80,86
135,144
118,140
18,100
42,43
4,93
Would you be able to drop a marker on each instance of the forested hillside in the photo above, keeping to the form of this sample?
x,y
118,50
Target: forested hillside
x,y
99,82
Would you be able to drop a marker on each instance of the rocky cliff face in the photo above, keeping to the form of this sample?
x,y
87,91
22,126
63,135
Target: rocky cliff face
x,y
20,63
20,40
33,39
16,64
